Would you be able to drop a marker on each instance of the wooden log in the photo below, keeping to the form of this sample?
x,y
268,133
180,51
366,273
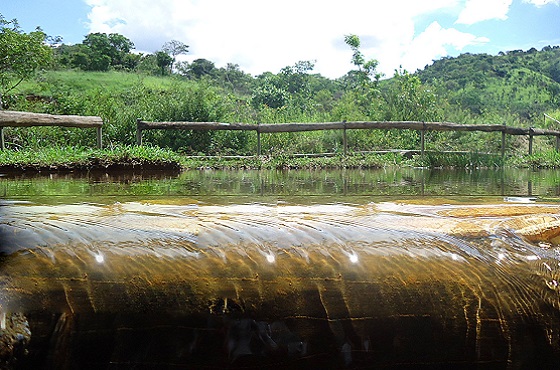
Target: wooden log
x,y
543,132
143,125
319,126
296,127
26,119
385,125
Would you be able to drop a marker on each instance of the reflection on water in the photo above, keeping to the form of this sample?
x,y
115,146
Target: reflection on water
x,y
320,270
332,183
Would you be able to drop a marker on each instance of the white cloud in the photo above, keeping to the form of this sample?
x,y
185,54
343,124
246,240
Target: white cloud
x,y
539,3
432,43
267,36
482,10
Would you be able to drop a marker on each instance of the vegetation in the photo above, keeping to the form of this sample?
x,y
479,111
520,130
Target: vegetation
x,y
21,55
103,76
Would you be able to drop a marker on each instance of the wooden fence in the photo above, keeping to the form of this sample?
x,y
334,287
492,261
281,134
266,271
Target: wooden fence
x,y
26,119
422,127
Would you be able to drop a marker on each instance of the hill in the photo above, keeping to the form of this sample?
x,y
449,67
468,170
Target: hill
x,y
526,83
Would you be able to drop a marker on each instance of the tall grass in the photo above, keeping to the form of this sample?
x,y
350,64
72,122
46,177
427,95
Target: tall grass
x,y
69,158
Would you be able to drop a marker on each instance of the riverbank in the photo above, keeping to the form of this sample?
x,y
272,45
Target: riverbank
x,y
124,158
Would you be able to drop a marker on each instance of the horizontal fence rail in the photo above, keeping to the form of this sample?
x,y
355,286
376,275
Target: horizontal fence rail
x,y
349,125
26,119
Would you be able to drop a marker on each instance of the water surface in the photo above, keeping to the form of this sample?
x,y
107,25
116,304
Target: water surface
x,y
405,268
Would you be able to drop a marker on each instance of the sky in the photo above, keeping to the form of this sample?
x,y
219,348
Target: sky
x,y
267,35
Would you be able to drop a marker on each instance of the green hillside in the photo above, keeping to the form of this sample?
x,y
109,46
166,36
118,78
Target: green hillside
x,y
525,83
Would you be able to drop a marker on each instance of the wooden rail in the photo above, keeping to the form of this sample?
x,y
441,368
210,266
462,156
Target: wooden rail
x,y
347,125
26,119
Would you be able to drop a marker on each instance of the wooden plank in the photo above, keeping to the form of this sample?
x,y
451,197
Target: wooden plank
x,y
26,119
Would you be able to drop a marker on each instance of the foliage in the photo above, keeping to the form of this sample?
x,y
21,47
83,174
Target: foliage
x,y
198,68
98,52
543,159
71,158
174,48
525,83
163,61
363,82
459,160
21,55
408,100
269,92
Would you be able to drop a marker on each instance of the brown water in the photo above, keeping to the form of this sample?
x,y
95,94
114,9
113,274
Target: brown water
x,y
355,269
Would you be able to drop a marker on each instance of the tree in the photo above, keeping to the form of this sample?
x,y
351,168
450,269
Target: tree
x,y
163,61
408,100
106,50
200,67
175,48
269,92
364,81
21,55
366,73
233,78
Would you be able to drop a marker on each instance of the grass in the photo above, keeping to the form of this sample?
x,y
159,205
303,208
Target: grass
x,y
80,82
155,158
69,158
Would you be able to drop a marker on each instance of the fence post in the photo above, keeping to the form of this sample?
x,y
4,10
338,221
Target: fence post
x,y
258,139
530,141
138,133
344,139
422,139
503,144
100,138
557,143
2,144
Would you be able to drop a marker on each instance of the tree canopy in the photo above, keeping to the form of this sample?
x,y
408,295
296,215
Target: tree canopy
x,y
21,54
99,52
174,48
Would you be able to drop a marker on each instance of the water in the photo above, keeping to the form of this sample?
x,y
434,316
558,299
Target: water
x,y
326,269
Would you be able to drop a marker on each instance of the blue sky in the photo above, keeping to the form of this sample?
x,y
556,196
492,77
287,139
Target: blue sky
x,y
269,35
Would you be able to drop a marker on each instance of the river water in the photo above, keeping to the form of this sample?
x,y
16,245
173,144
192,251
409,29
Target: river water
x,y
392,268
